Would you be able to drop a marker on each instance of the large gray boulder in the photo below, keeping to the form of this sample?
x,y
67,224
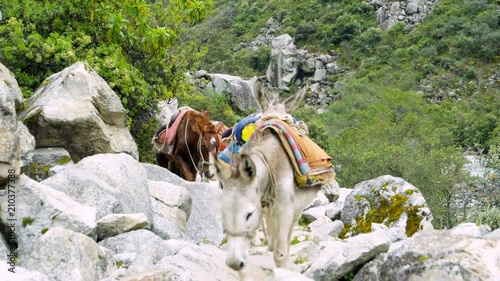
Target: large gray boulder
x,y
386,200
205,221
171,209
64,255
112,183
239,90
15,140
436,255
77,110
39,208
284,65
409,12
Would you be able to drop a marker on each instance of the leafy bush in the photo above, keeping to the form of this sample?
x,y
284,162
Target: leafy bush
x,y
129,43
258,60
390,133
485,215
304,31
216,104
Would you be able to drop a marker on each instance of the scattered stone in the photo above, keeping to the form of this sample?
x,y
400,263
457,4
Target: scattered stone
x,y
337,258
114,224
324,226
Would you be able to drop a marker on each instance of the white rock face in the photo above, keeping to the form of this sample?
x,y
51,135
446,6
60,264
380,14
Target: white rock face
x,y
39,208
63,255
437,255
204,224
16,143
77,110
112,183
171,207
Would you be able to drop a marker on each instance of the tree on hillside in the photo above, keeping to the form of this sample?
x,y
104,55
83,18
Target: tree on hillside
x,y
130,43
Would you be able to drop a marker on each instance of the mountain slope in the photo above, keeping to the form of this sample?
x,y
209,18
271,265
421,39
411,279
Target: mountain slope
x,y
415,99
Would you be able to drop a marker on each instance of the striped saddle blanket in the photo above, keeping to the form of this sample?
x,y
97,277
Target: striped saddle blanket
x,y
312,165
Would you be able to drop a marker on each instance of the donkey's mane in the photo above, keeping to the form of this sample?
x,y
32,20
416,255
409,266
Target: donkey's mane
x,y
204,125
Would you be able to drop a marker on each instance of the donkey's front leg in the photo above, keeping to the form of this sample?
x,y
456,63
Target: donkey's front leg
x,y
283,218
186,171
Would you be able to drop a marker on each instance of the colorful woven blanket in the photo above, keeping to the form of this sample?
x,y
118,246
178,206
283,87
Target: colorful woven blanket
x,y
304,168
312,164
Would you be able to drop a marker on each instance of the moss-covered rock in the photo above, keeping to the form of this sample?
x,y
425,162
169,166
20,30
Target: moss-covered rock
x,y
386,200
44,159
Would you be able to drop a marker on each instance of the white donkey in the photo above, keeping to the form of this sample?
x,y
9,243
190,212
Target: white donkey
x,y
262,176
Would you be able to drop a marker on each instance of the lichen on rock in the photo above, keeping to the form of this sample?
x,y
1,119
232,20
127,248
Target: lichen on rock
x,y
386,200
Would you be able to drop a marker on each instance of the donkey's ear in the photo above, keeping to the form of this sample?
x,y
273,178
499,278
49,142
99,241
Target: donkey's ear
x,y
264,100
222,169
246,167
294,101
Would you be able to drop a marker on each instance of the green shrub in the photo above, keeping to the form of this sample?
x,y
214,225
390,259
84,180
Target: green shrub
x,y
129,43
391,134
304,31
485,214
217,105
258,60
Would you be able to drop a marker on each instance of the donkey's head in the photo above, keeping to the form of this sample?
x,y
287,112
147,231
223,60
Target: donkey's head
x,y
268,99
210,143
240,204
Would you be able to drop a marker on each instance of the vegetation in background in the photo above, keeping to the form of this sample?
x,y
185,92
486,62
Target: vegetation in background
x,y
383,123
217,105
129,43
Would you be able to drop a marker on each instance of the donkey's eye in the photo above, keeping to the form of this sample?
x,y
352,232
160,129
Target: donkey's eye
x,y
248,216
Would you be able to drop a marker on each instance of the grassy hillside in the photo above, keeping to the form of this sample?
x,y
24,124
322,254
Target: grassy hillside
x,y
414,101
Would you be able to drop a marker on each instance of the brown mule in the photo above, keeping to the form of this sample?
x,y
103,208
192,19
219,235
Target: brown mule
x,y
195,138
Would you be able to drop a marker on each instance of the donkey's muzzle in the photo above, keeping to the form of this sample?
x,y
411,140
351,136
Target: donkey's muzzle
x,y
208,174
235,264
